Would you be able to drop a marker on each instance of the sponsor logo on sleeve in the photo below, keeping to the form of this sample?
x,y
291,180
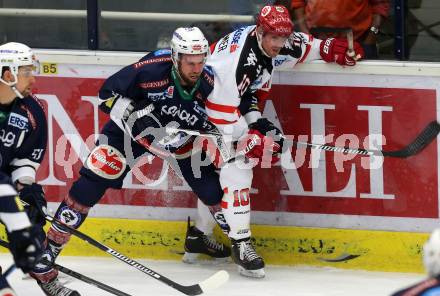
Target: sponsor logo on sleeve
x,y
107,162
151,61
223,44
162,52
235,40
279,61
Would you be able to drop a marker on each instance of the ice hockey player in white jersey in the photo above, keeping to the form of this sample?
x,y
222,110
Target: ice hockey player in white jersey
x,y
243,62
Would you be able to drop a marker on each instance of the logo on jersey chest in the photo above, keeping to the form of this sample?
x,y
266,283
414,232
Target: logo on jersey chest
x,y
156,96
170,91
7,138
182,114
200,110
18,121
251,59
106,161
173,140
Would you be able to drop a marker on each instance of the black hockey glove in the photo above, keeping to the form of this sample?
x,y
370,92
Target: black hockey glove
x,y
25,247
34,196
145,116
145,122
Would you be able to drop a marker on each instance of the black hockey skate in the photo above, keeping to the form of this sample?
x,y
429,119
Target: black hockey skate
x,y
249,262
197,244
55,288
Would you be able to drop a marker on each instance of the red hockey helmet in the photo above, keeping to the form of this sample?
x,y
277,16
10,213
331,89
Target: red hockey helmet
x,y
276,20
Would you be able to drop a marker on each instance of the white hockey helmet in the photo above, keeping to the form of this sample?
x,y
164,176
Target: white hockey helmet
x,y
188,41
14,55
431,254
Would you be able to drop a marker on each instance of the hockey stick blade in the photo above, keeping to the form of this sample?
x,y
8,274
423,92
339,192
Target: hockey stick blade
x,y
422,140
77,275
215,281
341,258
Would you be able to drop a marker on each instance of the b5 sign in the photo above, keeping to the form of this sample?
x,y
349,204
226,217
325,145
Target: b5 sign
x,y
307,182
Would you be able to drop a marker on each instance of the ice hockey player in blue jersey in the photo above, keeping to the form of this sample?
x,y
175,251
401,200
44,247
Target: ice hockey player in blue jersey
x,y
23,135
166,88
431,260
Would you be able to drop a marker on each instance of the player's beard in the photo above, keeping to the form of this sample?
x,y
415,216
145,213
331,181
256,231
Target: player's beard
x,y
188,81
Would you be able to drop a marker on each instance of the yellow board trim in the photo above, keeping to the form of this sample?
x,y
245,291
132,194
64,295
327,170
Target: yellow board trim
x,y
280,245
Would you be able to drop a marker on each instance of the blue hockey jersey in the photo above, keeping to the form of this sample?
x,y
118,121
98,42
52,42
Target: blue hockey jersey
x,y
150,80
23,137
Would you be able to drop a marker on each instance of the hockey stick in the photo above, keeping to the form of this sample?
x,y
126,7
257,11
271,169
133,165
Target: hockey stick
x,y
341,258
350,40
73,274
90,281
329,31
428,134
9,270
211,283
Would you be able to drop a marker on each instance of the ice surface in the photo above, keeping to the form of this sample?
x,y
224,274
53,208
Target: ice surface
x,y
279,280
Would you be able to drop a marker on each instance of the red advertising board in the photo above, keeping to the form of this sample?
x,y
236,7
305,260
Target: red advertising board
x,y
327,183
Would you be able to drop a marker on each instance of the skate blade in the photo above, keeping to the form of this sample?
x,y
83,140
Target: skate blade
x,y
197,258
257,273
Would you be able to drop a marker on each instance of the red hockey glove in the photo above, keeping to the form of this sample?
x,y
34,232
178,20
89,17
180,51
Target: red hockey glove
x,y
336,50
263,142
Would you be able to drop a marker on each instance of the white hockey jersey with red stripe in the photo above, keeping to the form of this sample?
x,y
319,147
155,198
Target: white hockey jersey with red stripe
x,y
242,73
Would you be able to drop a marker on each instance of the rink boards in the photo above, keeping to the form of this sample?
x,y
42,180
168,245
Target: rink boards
x,y
386,206
279,245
